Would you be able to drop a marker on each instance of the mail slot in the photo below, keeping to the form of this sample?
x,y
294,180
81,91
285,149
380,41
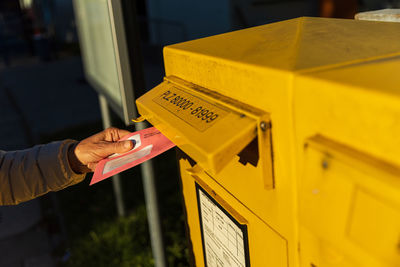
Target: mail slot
x,y
209,127
286,134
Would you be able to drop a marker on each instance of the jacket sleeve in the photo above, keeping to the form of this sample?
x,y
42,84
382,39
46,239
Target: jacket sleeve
x,y
26,174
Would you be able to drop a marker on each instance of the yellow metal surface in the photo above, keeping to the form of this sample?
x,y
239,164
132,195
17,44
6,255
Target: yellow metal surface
x,y
328,90
261,236
209,127
350,201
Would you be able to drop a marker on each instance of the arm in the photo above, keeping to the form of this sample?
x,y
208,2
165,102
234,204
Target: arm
x,y
30,173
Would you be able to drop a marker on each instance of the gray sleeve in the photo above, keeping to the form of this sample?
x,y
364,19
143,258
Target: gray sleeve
x,y
26,174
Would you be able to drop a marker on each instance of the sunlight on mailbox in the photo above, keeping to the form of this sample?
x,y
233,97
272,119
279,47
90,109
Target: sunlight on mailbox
x,y
289,142
209,127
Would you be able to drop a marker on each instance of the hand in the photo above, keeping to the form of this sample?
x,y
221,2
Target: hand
x,y
84,156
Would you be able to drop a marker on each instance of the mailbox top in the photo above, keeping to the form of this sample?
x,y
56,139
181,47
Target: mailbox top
x,y
301,44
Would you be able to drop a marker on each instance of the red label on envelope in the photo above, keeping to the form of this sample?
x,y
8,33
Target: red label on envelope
x,y
150,142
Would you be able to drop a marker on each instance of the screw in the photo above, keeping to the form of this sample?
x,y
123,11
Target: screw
x,y
325,164
264,126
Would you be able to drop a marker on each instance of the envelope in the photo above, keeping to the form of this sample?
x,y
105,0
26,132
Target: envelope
x,y
149,143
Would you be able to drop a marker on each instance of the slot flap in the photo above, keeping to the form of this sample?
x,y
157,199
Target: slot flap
x,y
209,129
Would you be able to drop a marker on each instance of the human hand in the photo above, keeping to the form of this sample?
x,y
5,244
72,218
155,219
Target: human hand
x,y
84,156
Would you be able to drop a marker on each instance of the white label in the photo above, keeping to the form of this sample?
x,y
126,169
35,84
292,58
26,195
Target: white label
x,y
223,239
119,162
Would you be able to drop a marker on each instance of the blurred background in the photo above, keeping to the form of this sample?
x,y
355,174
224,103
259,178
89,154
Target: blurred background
x,y
44,96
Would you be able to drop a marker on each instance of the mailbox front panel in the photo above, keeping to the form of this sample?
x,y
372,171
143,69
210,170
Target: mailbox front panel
x,y
257,243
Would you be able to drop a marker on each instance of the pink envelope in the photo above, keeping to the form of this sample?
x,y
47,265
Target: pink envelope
x,y
150,142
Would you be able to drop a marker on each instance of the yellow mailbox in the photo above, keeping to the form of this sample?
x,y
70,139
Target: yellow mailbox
x,y
289,138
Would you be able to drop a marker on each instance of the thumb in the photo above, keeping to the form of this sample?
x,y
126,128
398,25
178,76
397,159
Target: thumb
x,y
119,147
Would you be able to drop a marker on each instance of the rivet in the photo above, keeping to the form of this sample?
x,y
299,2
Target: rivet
x,y
264,126
325,164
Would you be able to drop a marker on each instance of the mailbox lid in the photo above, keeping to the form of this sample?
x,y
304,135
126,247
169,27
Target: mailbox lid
x,y
210,128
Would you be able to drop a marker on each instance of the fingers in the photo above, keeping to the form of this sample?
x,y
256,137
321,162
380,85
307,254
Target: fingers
x,y
111,134
92,166
126,145
122,133
96,147
109,148
114,134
